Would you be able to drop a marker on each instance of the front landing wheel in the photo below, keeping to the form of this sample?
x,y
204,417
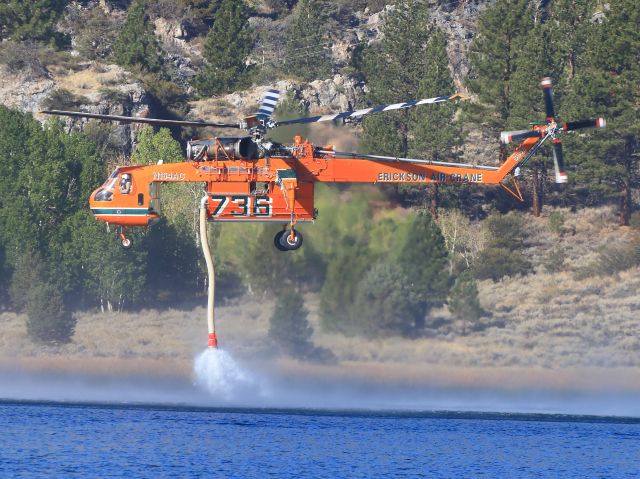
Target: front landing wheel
x,y
126,243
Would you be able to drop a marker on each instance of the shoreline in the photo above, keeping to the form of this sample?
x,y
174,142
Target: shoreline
x,y
400,375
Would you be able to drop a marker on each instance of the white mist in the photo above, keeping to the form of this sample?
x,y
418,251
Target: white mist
x,y
222,377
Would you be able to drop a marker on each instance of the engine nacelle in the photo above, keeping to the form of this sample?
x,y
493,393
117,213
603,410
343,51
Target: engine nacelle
x,y
231,148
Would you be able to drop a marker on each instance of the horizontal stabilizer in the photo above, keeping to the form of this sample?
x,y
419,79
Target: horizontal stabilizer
x,y
591,123
507,137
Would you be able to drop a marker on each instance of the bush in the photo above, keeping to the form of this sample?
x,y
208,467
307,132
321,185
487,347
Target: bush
x,y
496,263
505,231
62,99
22,57
48,320
96,34
554,261
502,256
556,223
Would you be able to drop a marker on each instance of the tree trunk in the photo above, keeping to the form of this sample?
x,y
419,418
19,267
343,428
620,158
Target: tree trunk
x,y
537,200
625,203
434,201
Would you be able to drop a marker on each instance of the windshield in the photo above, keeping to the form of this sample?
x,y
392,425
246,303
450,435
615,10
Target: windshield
x,y
106,192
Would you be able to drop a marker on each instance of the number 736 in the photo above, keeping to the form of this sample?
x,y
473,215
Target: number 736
x,y
242,205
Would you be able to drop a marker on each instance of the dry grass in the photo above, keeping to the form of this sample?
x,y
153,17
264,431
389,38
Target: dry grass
x,y
544,320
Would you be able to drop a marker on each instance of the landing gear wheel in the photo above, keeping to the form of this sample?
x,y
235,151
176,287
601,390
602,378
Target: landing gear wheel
x,y
288,243
277,240
126,243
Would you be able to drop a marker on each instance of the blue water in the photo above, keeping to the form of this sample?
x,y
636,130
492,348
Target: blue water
x,y
83,440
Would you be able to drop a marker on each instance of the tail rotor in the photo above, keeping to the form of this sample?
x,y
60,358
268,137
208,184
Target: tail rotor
x,y
550,129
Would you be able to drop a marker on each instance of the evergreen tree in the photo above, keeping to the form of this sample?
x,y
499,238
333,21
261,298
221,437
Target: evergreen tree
x,y
436,134
494,54
203,10
386,302
393,70
31,20
347,267
225,50
136,45
607,160
308,45
289,326
28,272
464,303
152,147
48,319
423,259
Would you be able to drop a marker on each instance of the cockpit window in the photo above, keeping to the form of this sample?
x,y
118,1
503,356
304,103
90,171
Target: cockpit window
x,y
125,184
106,192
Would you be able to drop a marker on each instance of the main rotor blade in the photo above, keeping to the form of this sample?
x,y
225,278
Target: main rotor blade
x,y
133,119
591,123
507,137
356,114
547,91
558,162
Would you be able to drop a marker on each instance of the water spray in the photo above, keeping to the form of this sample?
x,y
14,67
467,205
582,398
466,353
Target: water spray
x,y
212,341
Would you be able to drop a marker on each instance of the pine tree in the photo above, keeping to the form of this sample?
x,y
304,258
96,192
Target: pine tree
x,y
464,303
393,70
152,147
48,319
534,61
225,50
308,52
436,134
607,160
494,54
289,326
203,10
423,259
31,20
385,302
136,45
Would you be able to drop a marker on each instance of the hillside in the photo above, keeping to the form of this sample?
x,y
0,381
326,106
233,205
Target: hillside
x,y
551,283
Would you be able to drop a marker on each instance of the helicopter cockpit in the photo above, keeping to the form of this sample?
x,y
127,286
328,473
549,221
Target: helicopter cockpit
x,y
105,192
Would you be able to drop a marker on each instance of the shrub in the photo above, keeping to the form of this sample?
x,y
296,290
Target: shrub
x,y
48,320
22,57
496,263
505,231
62,99
554,261
96,34
556,223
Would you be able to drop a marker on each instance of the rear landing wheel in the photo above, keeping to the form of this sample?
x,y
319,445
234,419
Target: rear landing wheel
x,y
291,240
277,240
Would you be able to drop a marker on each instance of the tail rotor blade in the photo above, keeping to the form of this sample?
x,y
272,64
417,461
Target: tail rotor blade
x,y
547,90
580,124
507,137
558,162
357,114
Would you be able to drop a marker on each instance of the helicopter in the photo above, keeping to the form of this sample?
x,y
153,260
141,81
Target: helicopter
x,y
251,178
